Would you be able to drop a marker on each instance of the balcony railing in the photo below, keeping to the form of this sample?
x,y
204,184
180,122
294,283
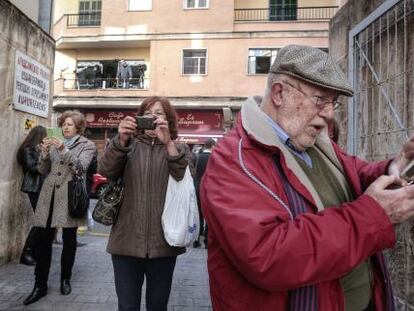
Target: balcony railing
x,y
83,19
110,83
285,13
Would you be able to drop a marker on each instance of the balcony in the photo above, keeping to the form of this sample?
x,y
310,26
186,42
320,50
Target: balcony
x,y
83,20
106,84
285,13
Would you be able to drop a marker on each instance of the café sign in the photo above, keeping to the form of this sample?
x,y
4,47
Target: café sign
x,y
106,118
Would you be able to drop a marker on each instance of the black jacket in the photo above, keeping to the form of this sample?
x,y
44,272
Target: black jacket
x,y
201,164
32,180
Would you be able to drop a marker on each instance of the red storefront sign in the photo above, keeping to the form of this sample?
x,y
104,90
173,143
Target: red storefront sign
x,y
200,121
194,126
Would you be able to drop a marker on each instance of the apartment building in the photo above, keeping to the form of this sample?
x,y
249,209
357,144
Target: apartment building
x,y
38,11
207,56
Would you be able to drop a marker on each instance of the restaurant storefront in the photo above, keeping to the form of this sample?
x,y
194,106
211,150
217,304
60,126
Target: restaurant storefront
x,y
194,126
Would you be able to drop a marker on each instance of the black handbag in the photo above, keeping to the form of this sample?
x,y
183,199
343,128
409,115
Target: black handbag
x,y
77,196
109,202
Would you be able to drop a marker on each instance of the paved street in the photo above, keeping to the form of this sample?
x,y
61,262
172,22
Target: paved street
x,y
92,281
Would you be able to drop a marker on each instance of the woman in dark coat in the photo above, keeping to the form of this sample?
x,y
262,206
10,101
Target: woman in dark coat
x,y
28,157
144,159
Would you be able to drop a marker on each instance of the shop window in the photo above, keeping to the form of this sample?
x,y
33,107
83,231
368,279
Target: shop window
x,y
260,60
111,133
282,10
195,4
139,5
194,61
95,133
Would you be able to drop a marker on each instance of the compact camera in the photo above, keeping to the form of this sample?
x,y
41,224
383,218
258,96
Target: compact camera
x,y
145,123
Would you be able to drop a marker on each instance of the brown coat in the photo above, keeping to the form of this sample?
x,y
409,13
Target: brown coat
x,y
59,168
145,167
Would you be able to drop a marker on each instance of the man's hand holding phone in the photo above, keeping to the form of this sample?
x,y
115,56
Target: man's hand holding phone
x,y
403,164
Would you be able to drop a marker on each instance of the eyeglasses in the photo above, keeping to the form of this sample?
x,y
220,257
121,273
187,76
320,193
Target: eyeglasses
x,y
318,101
157,113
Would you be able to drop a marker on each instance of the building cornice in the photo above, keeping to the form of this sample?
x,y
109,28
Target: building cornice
x,y
85,40
134,102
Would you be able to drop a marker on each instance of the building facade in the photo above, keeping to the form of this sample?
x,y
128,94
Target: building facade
x,y
26,67
39,11
207,56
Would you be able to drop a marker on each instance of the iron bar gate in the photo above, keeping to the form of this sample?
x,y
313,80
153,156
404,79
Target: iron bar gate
x,y
380,115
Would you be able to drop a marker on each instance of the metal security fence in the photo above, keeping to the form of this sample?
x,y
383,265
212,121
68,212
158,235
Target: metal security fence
x,y
382,74
380,115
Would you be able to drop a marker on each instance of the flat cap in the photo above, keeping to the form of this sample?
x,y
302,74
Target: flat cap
x,y
312,65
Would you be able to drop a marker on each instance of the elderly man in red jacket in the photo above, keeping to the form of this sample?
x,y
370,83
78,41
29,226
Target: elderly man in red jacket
x,y
295,223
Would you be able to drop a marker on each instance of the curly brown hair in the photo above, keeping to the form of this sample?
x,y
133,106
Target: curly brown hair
x,y
168,109
77,117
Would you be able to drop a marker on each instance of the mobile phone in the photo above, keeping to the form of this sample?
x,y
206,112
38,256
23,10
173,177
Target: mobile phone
x,y
145,123
54,132
408,172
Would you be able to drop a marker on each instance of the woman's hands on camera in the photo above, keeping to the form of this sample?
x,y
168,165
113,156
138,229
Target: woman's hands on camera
x,y
127,127
163,133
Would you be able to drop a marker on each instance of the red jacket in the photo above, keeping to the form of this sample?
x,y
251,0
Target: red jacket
x,y
256,253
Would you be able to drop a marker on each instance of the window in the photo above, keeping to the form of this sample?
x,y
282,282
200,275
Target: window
x,y
283,10
195,4
140,5
90,12
260,60
194,62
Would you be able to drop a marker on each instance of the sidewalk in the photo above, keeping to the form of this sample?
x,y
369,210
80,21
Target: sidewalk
x,y
93,282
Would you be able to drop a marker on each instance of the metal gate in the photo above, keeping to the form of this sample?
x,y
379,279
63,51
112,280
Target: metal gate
x,y
380,115
381,71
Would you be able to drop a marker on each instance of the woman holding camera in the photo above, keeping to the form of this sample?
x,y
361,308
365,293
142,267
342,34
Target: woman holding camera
x,y
28,157
144,158
59,160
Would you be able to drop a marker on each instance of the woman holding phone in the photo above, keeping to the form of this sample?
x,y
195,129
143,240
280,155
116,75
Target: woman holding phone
x,y
59,160
144,155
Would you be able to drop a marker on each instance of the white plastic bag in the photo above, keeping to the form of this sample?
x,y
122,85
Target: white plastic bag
x,y
180,220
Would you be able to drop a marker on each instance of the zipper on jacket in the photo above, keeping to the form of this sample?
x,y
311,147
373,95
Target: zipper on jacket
x,y
149,196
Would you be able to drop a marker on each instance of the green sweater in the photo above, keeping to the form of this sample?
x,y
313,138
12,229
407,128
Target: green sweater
x,y
357,283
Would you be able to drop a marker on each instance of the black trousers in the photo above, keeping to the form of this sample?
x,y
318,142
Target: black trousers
x,y
203,229
44,254
32,239
129,276
44,251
